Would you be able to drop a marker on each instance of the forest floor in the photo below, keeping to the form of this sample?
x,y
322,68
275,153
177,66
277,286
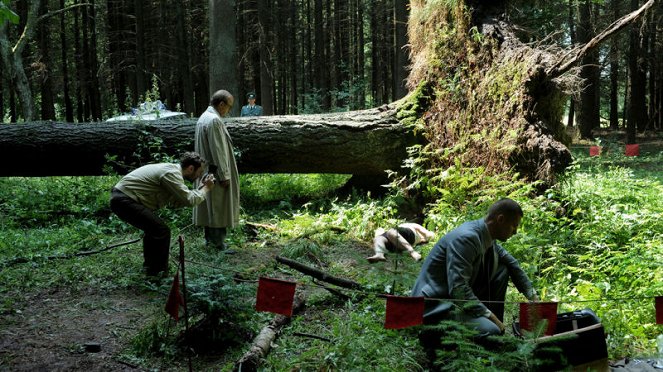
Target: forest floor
x,y
48,329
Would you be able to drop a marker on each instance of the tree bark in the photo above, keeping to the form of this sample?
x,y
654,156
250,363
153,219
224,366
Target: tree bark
x,y
588,109
183,58
12,61
262,343
401,62
361,142
46,86
264,46
637,112
222,53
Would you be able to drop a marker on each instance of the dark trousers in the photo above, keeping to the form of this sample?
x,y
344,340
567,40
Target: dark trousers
x,y
215,237
493,289
156,241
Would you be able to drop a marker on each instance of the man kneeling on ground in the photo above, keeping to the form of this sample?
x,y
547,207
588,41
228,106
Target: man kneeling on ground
x,y
468,264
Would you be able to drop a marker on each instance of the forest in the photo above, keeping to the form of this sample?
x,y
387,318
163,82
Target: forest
x,y
375,113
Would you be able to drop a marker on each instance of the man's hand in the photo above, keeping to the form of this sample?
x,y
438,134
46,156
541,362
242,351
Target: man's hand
x,y
208,181
225,184
497,322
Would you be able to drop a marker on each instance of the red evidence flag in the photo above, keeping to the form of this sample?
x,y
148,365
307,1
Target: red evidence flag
x,y
403,312
594,150
531,313
275,295
632,150
659,310
175,298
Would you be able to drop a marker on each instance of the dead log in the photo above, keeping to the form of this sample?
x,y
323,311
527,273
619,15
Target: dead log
x,y
263,341
318,274
364,142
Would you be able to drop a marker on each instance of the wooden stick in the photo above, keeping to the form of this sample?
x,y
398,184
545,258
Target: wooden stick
x,y
180,240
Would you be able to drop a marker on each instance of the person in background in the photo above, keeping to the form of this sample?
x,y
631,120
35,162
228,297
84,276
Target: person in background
x,y
220,210
401,239
251,109
468,264
137,196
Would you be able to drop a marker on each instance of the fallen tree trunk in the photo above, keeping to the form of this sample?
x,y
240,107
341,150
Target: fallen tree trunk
x,y
262,343
364,142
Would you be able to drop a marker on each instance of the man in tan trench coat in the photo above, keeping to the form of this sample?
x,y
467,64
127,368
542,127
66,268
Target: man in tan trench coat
x,y
212,141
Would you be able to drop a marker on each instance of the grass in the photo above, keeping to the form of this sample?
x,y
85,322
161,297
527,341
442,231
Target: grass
x,y
596,236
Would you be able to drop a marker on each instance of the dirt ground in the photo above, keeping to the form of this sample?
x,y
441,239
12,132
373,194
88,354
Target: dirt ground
x,y
48,331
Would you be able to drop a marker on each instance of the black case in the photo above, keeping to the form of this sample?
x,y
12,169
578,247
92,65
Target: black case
x,y
580,336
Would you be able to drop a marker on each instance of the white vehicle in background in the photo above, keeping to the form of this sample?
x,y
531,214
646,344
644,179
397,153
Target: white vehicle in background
x,y
150,111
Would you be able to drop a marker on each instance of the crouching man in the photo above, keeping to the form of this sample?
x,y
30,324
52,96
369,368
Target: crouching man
x,y
468,264
140,193
401,239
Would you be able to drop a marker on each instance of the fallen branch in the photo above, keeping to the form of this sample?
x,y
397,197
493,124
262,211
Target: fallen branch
x,y
564,64
334,291
19,260
263,341
318,274
300,334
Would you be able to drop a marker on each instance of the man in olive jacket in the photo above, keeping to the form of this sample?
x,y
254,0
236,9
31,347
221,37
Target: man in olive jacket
x,y
467,264
140,193
212,141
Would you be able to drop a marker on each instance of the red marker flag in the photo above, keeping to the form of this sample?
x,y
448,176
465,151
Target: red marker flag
x,y
403,312
175,298
531,313
632,150
659,310
275,295
594,150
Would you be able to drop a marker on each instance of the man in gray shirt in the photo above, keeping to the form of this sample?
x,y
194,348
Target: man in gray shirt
x,y
467,264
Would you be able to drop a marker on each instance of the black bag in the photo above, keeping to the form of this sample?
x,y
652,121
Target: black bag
x,y
579,335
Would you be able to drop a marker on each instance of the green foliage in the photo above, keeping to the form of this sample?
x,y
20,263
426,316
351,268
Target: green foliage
x,y
6,14
461,351
596,235
286,190
357,341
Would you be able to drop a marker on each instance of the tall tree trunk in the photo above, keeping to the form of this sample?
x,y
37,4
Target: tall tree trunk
x,y
12,61
572,35
588,110
242,48
266,71
614,73
361,64
401,62
292,47
321,81
77,62
68,107
45,85
183,58
93,64
85,67
222,51
139,52
637,108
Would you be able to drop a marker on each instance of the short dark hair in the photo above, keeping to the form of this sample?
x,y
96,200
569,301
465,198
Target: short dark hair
x,y
220,96
508,207
191,158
